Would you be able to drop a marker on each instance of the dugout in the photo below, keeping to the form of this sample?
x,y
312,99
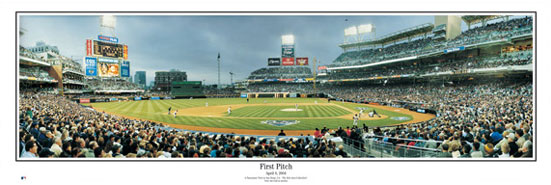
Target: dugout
x,y
186,89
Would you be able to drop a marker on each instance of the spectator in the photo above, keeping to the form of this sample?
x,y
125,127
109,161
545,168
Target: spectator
x,y
30,150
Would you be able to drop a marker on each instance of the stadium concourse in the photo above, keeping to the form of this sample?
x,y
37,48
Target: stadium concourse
x,y
482,96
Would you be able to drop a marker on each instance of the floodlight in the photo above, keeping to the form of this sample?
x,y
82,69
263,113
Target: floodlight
x,y
366,28
287,39
350,31
108,21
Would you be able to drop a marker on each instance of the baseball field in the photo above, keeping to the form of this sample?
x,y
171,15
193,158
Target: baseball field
x,y
262,116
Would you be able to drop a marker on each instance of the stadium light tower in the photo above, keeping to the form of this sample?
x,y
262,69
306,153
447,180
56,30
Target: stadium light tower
x,y
358,33
231,78
287,40
108,22
350,34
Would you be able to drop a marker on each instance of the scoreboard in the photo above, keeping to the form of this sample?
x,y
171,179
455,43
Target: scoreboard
x,y
106,58
106,49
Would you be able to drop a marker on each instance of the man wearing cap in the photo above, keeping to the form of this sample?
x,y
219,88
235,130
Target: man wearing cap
x,y
512,144
46,153
116,150
445,153
281,133
496,136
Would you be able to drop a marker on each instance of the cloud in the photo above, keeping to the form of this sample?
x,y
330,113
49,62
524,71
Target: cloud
x,y
191,43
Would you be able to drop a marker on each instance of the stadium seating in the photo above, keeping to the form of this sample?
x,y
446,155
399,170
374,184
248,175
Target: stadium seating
x,y
281,73
75,131
474,118
111,84
486,61
35,72
481,34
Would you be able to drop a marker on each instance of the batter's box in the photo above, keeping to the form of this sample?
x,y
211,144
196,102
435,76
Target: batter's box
x,y
280,123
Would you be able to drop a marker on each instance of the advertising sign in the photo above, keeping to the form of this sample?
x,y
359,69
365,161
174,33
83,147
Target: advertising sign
x,y
155,98
88,47
125,69
287,51
107,49
84,100
288,61
137,98
243,95
108,69
91,66
302,61
108,38
322,67
110,60
274,62
454,49
125,52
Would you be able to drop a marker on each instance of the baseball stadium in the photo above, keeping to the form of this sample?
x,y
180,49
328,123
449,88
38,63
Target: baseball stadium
x,y
456,87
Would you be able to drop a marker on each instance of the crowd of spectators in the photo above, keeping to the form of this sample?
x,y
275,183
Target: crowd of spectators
x,y
490,32
27,53
444,65
111,84
36,72
473,120
282,72
52,126
280,87
220,93
70,65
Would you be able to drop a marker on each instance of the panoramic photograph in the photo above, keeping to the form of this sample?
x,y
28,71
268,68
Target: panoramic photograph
x,y
275,87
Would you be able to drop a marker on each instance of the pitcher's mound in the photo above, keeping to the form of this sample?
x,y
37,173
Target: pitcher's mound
x,y
291,110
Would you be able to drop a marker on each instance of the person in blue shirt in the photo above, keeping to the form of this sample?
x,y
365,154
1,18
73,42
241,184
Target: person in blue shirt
x,y
31,150
496,136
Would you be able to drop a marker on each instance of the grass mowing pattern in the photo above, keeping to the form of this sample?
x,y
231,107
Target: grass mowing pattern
x,y
275,111
158,109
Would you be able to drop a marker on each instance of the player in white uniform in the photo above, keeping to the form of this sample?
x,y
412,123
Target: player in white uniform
x,y
175,112
361,112
355,120
207,104
229,110
296,107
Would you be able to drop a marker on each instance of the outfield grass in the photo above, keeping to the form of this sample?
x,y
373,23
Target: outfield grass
x,y
326,110
248,117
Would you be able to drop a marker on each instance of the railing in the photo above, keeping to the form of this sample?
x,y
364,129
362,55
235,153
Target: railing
x,y
373,146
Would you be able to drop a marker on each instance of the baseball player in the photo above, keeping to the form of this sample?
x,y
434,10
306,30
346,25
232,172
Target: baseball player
x,y
229,110
375,113
355,120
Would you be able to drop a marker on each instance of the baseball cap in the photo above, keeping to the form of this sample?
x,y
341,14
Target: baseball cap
x,y
45,153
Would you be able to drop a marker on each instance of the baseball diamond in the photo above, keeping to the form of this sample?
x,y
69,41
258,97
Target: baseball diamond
x,y
433,87
247,118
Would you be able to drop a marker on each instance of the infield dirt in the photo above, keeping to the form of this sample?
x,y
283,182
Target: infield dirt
x,y
417,117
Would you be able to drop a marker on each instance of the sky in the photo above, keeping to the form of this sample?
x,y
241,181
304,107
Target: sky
x,y
191,43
